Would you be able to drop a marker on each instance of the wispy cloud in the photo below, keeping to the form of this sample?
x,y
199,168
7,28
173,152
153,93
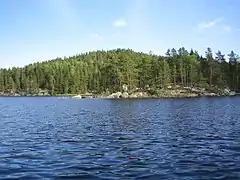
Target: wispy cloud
x,y
209,24
227,29
120,23
97,36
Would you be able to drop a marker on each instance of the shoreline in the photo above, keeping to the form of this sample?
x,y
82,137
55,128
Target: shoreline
x,y
123,98
170,93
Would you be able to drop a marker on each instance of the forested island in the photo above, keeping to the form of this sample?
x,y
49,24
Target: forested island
x,y
125,73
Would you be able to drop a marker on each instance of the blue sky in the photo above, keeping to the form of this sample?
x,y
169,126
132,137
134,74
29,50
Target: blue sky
x,y
37,30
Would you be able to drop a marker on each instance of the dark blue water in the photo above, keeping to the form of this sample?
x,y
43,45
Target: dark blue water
x,y
51,138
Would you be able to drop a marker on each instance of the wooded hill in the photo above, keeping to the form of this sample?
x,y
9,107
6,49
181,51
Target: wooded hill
x,y
108,70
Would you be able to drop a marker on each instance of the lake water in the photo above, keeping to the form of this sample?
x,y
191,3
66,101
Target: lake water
x,y
52,138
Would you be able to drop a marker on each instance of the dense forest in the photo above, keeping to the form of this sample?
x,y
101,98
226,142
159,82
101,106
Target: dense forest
x,y
99,71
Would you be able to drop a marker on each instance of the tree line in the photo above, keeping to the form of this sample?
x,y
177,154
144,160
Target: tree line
x,y
99,71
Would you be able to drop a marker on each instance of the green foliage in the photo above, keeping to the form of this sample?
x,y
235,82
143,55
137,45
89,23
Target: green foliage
x,y
107,71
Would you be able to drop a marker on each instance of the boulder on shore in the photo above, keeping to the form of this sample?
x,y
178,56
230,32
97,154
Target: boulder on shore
x,y
77,97
124,95
210,94
138,95
115,95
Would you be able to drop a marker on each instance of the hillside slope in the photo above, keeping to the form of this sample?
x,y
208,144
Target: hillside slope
x,y
108,70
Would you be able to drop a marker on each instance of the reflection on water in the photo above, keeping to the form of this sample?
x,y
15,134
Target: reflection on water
x,y
49,138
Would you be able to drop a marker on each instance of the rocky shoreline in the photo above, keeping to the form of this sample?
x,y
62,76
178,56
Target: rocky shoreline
x,y
184,92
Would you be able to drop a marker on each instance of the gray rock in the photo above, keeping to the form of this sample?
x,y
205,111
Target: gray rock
x,y
77,97
226,91
138,95
125,95
133,96
115,95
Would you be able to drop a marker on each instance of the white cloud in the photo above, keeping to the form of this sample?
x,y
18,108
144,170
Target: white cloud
x,y
97,36
209,24
120,23
227,29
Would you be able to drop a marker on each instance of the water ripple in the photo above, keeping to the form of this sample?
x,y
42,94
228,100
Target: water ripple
x,y
48,138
